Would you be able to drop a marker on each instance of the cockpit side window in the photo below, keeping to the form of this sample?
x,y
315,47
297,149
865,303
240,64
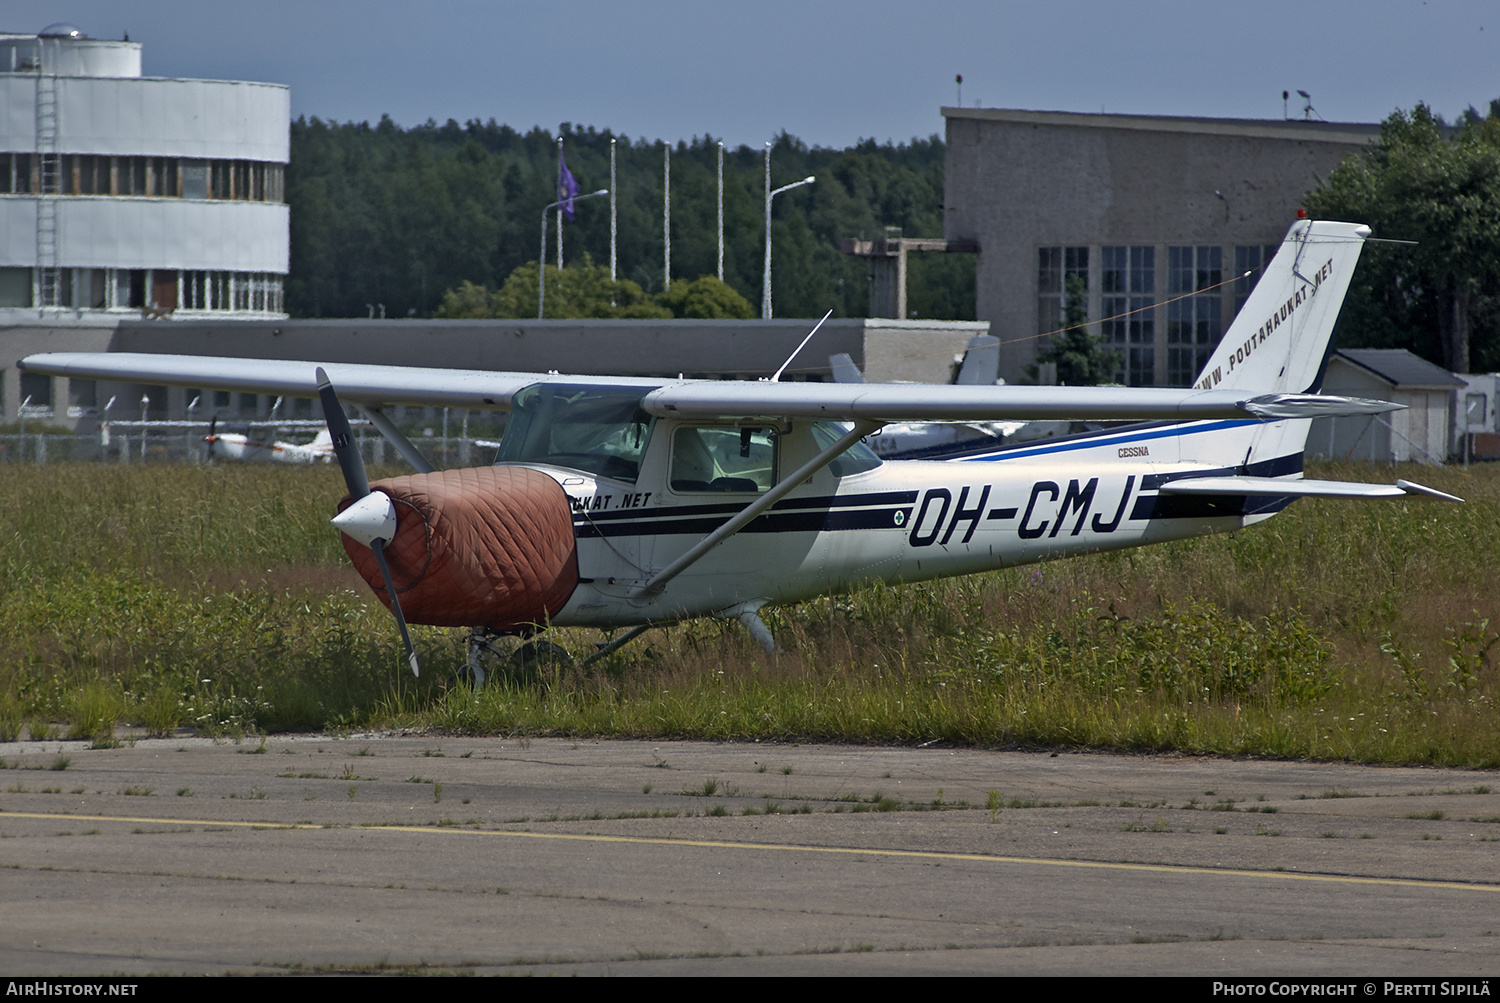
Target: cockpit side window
x,y
723,458
598,430
855,460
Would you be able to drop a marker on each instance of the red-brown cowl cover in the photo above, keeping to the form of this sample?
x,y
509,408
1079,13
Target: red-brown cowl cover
x,y
477,547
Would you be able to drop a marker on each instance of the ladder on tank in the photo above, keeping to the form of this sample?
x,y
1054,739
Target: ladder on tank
x,y
49,181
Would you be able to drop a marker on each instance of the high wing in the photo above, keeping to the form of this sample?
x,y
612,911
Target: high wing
x,y
701,399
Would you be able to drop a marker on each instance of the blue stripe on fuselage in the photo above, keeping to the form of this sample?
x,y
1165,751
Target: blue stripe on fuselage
x,y
1089,440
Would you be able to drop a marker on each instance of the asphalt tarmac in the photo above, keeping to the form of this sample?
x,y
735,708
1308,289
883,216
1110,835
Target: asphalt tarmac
x,y
367,853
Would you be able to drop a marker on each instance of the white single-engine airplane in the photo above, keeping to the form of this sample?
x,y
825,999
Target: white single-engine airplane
x,y
618,502
239,446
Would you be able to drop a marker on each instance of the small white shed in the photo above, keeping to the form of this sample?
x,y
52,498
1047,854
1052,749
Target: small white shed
x,y
1418,434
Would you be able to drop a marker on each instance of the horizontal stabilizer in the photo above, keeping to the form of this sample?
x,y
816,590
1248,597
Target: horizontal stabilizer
x,y
1273,407
1272,487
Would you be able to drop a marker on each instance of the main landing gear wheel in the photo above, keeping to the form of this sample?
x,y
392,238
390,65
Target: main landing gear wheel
x,y
532,657
488,660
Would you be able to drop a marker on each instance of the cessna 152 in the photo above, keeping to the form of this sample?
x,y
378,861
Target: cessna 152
x,y
240,446
620,502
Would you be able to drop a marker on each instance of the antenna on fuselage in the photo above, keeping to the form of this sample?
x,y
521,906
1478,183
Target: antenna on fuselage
x,y
789,358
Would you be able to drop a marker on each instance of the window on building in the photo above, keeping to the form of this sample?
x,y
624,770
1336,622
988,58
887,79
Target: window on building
x,y
83,395
15,173
38,388
131,288
1055,266
1252,259
15,287
1194,322
195,179
1128,305
164,289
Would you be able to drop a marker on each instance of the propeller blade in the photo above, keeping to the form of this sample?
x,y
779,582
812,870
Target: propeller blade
x,y
390,589
344,448
365,518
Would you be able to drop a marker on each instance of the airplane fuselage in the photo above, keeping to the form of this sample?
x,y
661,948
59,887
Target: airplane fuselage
x,y
899,521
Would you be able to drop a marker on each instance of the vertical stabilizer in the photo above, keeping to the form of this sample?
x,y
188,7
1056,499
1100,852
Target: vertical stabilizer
x,y
981,363
1279,340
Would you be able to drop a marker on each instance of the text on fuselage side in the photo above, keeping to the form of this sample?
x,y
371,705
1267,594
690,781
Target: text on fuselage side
x,y
939,517
602,503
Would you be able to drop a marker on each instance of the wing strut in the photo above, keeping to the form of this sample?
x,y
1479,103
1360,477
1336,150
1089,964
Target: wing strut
x,y
403,445
743,517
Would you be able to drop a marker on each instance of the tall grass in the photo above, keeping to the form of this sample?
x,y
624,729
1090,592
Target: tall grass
x,y
217,598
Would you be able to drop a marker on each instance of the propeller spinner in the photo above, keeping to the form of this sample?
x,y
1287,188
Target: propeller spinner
x,y
372,518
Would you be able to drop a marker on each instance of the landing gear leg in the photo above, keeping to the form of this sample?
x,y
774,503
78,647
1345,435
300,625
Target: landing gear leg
x,y
748,614
482,644
610,647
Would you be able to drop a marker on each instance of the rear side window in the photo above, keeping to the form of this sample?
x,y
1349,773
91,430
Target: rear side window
x,y
724,459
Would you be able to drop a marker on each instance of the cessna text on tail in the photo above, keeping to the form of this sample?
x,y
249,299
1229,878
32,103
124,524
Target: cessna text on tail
x,y
618,502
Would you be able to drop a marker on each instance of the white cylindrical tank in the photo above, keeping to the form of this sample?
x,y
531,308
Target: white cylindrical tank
x,y
138,195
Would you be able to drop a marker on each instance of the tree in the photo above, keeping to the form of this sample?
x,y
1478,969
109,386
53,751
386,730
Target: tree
x,y
707,299
1082,360
1440,187
579,291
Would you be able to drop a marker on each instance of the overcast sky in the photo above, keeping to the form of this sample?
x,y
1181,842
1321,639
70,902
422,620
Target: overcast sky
x,y
830,72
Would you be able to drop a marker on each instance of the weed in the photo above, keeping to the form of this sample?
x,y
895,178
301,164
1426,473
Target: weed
x,y
60,763
185,792
138,791
1430,816
353,792
1277,657
437,791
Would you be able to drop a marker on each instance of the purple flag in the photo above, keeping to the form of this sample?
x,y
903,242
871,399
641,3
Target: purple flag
x,y
567,188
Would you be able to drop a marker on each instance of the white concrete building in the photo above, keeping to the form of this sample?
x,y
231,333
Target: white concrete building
x,y
1154,220
124,195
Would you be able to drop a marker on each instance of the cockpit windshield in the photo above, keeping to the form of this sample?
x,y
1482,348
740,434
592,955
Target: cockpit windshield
x,y
598,430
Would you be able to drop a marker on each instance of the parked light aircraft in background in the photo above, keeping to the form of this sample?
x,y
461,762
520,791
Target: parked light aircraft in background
x,y
619,502
947,440
239,446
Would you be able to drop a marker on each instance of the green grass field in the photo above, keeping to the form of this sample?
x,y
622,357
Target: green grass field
x,y
219,599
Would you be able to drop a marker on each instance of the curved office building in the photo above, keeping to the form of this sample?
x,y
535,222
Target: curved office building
x,y
124,195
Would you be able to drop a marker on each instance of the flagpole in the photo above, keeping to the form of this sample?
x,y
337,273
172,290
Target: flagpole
x,y
666,216
559,192
765,288
612,226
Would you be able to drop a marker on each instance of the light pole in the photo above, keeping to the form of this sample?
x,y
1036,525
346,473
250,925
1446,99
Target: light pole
x,y
666,216
765,292
612,219
541,261
721,211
